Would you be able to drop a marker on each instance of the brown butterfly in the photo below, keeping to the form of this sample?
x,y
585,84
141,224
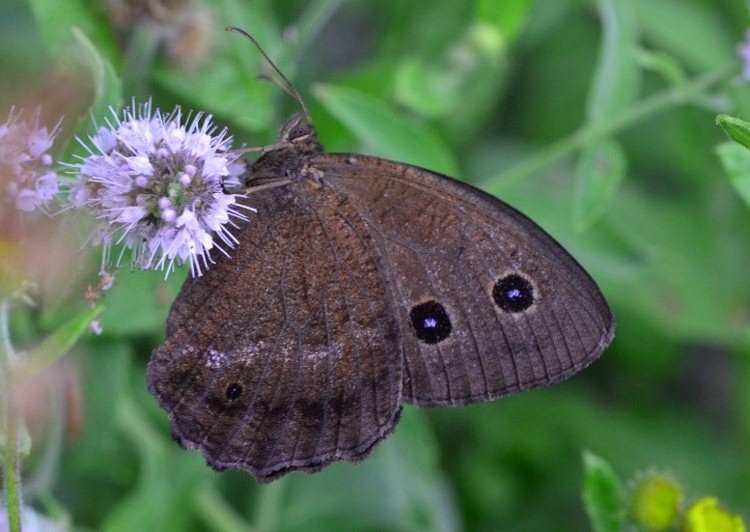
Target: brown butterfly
x,y
362,284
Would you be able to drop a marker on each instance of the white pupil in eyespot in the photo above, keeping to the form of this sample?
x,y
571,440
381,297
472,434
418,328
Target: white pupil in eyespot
x,y
430,323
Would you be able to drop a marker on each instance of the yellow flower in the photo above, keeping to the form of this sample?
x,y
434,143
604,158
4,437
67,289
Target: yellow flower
x,y
705,515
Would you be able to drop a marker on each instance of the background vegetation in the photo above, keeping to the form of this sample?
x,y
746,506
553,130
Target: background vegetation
x,y
596,118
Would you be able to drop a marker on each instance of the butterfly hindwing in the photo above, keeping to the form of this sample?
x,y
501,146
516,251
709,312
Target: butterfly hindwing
x,y
489,303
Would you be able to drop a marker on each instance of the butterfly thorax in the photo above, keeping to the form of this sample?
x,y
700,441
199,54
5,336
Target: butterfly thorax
x,y
286,159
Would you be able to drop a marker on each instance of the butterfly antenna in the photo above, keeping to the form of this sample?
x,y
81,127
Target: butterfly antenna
x,y
289,88
279,83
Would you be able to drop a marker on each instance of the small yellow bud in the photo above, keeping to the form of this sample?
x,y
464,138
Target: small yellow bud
x,y
655,502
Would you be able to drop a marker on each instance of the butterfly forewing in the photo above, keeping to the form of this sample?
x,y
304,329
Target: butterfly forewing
x,y
285,356
488,302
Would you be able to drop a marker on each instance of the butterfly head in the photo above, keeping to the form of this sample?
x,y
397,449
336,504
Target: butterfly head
x,y
299,134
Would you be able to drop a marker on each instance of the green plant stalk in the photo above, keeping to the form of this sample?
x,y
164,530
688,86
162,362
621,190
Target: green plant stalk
x,y
593,131
269,506
217,514
11,465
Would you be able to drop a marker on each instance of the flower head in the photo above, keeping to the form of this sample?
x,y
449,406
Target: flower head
x,y
157,185
28,179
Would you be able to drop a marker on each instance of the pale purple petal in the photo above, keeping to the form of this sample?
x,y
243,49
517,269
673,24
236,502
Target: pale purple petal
x,y
47,186
131,215
27,200
743,50
39,142
215,167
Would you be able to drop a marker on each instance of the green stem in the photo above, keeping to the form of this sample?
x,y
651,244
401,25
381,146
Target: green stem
x,y
11,462
593,131
216,513
269,506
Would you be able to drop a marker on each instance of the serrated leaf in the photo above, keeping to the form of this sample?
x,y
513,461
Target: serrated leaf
x,y
736,129
384,132
736,162
601,168
603,493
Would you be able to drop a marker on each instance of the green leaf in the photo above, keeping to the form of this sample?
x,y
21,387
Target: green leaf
x,y
107,85
60,342
384,132
139,302
107,90
664,64
736,162
57,20
736,129
424,90
601,168
616,79
224,89
508,16
308,25
150,506
101,453
228,86
399,487
692,31
603,493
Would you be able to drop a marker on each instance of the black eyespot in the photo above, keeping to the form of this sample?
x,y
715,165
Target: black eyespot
x,y
513,293
430,322
234,390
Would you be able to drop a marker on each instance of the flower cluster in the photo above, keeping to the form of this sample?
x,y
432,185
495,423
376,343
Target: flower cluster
x,y
158,186
28,179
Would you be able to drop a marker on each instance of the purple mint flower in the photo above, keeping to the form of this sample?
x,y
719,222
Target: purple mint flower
x,y
28,179
157,186
743,50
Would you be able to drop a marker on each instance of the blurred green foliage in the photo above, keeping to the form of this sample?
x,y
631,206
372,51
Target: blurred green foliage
x,y
594,117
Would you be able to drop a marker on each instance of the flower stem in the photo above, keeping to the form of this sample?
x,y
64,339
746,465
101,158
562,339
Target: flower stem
x,y
269,505
11,462
587,133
